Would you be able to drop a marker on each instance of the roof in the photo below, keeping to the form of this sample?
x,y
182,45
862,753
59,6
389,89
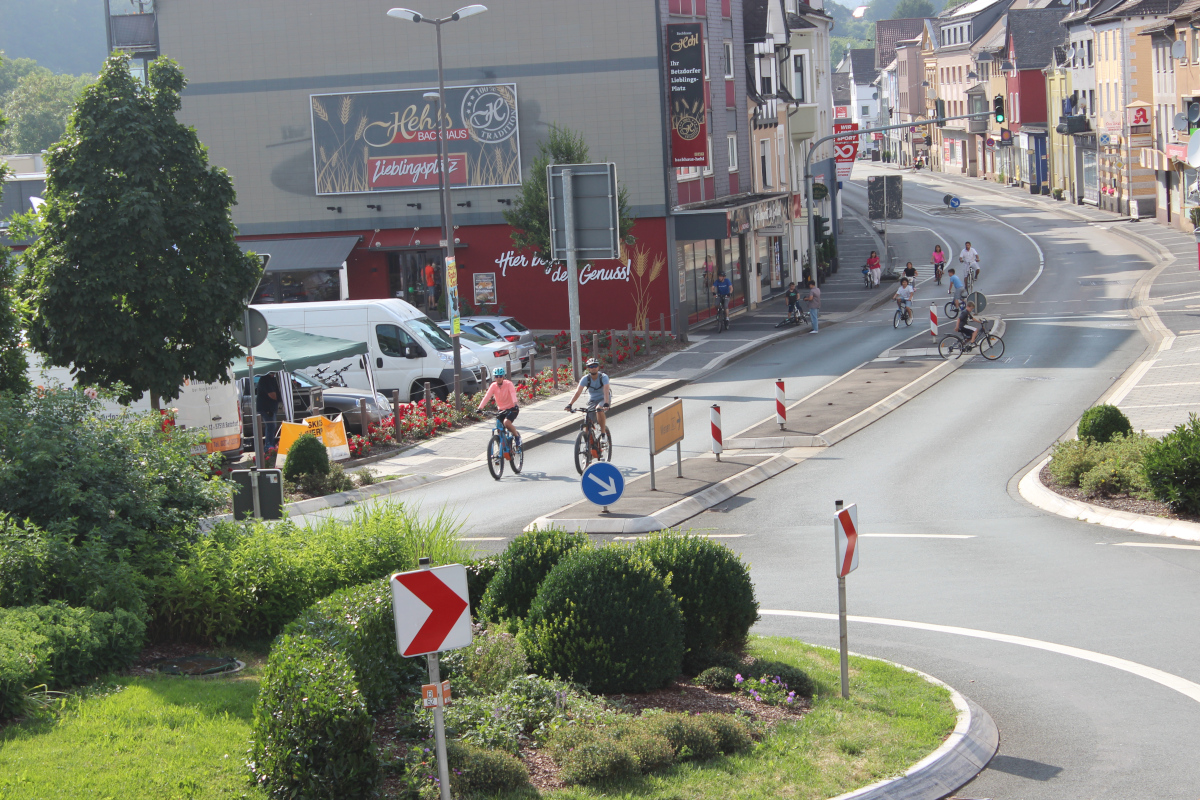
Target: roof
x,y
290,350
1138,8
967,9
1166,29
1186,9
754,20
1094,10
1035,32
862,66
890,31
303,255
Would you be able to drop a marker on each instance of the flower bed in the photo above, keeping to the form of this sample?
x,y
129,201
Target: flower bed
x,y
621,355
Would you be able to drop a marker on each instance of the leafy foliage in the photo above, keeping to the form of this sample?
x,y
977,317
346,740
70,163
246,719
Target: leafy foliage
x,y
136,244
58,646
1115,467
713,588
719,678
530,214
12,352
913,9
479,576
38,108
307,456
248,580
1173,467
474,771
607,620
494,658
523,566
1101,423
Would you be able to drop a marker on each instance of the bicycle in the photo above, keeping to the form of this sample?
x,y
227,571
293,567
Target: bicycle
x,y
796,317
903,313
955,344
722,313
332,378
591,445
503,447
867,282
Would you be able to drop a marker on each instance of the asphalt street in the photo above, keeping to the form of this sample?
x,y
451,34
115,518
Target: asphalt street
x,y
959,577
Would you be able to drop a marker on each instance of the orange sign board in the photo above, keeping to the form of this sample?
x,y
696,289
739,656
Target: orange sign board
x,y
431,693
668,426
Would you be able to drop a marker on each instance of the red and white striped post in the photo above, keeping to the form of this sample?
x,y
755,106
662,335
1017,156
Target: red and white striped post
x,y
933,319
780,406
714,416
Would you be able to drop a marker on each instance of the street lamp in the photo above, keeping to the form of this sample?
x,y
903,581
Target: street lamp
x,y
451,279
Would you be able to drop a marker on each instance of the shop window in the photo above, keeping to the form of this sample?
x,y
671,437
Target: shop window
x,y
708,168
764,160
311,286
1191,188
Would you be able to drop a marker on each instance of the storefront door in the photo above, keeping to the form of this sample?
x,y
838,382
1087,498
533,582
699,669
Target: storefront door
x,y
1091,177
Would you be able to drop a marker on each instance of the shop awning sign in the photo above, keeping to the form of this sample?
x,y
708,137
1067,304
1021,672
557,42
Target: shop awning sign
x,y
845,148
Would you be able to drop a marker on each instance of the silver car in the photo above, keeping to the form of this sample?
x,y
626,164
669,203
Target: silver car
x,y
509,329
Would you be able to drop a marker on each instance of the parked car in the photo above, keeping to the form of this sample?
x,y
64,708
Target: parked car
x,y
492,351
509,329
344,400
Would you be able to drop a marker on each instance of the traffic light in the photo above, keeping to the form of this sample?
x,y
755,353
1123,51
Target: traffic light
x,y
823,227
940,112
998,108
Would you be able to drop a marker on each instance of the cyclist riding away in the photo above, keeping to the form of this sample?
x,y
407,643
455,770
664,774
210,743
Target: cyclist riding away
x,y
904,297
957,289
968,323
504,393
599,393
792,295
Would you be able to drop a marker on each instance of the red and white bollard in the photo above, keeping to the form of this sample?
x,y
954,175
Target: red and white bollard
x,y
933,319
780,406
714,416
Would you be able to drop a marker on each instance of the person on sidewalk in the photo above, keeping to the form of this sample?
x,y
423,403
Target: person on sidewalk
x,y
430,288
504,393
969,257
876,268
266,403
813,298
939,263
792,295
599,393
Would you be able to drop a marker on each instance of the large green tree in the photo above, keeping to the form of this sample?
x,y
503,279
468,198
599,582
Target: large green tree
x,y
38,108
12,352
913,9
135,277
13,69
530,214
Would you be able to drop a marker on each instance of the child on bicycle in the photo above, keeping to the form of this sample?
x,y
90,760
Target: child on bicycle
x,y
504,393
792,295
599,393
904,297
968,323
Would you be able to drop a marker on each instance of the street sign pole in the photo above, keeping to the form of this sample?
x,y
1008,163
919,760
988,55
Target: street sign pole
x,y
843,641
258,454
845,550
572,274
439,723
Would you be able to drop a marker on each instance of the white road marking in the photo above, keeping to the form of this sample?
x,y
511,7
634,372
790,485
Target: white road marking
x,y
484,539
724,535
1153,544
1181,685
918,535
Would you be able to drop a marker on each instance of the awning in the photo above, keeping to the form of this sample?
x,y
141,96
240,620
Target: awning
x,y
1155,160
290,350
303,255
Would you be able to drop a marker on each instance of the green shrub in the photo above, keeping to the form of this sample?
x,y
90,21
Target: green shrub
x,y
796,678
312,729
1070,460
596,759
1172,468
1112,467
306,456
118,480
319,485
734,734
1101,423
247,580
691,737
718,658
717,678
59,646
713,588
494,658
1113,477
651,751
479,576
524,564
607,620
474,771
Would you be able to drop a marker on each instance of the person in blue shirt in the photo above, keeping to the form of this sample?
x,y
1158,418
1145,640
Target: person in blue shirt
x,y
722,286
957,289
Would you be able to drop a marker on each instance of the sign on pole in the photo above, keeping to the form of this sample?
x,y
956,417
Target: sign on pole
x,y
845,546
845,149
603,484
666,429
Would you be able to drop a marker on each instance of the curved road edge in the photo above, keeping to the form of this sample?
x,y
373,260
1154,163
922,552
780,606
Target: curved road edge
x,y
964,754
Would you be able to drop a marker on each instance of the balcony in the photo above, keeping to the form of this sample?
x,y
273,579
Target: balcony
x,y
132,26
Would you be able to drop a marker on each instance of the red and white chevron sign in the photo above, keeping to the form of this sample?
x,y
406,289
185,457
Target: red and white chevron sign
x,y
431,609
845,535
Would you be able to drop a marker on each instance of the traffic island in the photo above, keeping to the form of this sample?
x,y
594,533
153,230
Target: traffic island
x,y
706,482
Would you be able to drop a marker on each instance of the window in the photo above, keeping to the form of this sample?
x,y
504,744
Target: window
x,y
866,111
728,65
764,160
686,173
1195,46
731,142
393,340
1092,100
800,77
765,87
1089,53
704,49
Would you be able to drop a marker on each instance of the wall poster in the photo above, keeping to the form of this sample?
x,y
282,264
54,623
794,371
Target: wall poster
x,y
685,95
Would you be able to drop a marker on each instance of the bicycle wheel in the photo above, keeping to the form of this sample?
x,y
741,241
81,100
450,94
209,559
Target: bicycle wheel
x,y
908,318
896,319
991,347
951,310
495,457
604,446
583,456
782,322
950,347
518,456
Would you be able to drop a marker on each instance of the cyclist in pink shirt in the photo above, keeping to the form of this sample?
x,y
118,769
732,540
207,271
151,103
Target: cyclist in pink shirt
x,y
504,393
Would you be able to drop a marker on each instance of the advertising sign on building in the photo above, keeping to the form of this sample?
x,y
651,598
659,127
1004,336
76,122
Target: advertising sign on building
x,y
388,141
845,148
685,95
841,112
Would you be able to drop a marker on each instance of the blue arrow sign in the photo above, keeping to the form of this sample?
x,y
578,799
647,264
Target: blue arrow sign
x,y
603,483
955,202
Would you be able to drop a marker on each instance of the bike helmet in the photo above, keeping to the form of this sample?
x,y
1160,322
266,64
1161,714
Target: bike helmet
x,y
591,362
499,372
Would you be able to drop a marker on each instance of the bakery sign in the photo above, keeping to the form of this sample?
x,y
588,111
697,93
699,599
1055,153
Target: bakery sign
x,y
685,95
388,141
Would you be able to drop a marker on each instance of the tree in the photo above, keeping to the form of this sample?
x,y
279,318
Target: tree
x,y
38,108
135,277
12,352
530,215
913,9
13,69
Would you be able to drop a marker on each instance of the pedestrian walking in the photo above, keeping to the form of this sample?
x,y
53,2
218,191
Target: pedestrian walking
x,y
813,298
939,263
266,403
875,267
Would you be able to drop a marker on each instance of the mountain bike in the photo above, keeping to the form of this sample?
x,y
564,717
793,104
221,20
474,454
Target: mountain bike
x,y
990,345
591,445
722,313
503,447
331,377
796,317
902,314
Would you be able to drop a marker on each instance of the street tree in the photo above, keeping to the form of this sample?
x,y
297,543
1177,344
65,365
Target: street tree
x,y
13,69
38,108
529,216
913,9
135,277
12,353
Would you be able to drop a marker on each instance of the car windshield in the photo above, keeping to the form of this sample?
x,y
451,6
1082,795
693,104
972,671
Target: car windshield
x,y
305,380
487,328
435,335
471,337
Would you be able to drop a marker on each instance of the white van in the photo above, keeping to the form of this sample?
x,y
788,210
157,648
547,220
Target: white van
x,y
213,407
407,348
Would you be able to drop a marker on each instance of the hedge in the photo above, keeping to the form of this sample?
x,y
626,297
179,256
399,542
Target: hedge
x,y
58,646
523,566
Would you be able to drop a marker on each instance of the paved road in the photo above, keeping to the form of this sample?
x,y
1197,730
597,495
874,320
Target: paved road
x,y
1074,723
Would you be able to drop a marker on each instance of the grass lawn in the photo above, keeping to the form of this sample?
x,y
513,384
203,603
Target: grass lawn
x,y
892,720
155,737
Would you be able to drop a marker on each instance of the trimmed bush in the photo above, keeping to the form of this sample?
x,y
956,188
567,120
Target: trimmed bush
x,y
1101,423
1115,467
59,646
318,484
607,620
734,734
474,771
494,658
692,738
717,678
713,588
596,759
479,576
306,456
1172,467
1112,477
524,564
312,729
248,580
1070,460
